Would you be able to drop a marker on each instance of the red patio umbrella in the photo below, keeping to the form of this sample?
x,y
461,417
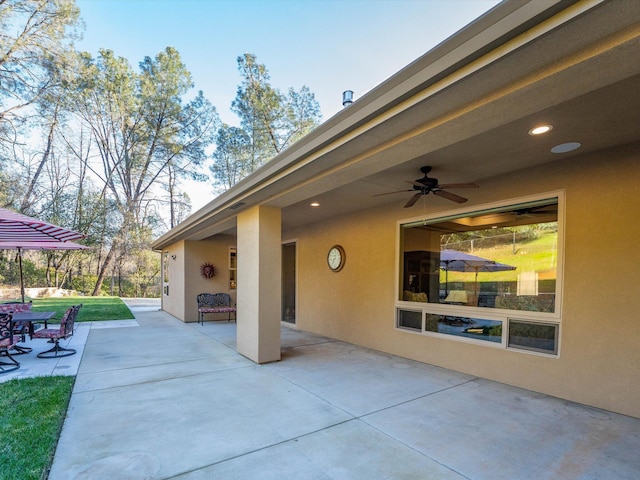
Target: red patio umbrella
x,y
20,232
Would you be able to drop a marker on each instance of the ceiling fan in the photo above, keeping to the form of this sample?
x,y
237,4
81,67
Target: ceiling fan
x,y
425,185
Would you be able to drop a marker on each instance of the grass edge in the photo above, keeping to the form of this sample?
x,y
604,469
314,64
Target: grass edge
x,y
47,469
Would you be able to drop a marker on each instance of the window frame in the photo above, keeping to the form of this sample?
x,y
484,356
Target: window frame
x,y
533,350
410,310
233,268
498,314
165,273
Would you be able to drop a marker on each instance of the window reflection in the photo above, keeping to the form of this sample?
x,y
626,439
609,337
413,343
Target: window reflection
x,y
534,336
502,258
476,328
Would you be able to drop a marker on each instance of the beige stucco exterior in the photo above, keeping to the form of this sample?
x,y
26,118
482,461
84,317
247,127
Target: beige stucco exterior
x,y
599,355
185,280
464,108
259,268
600,338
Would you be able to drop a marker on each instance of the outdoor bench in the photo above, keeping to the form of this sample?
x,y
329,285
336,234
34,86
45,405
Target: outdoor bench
x,y
215,303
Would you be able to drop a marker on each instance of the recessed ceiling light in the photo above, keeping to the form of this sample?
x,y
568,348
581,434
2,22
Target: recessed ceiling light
x,y
540,129
314,204
566,147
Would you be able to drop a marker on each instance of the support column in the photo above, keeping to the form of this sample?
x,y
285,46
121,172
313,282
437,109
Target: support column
x,y
259,295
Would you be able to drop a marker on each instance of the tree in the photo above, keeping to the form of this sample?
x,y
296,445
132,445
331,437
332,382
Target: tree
x,y
260,108
303,114
178,201
269,123
30,194
232,159
35,36
143,133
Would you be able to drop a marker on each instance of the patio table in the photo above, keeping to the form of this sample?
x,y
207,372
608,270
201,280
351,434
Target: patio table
x,y
30,318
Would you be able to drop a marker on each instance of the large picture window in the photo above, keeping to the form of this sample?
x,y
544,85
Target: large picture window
x,y
496,260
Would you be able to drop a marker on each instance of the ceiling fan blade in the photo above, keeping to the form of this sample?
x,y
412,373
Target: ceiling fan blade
x,y
413,200
389,193
450,196
459,185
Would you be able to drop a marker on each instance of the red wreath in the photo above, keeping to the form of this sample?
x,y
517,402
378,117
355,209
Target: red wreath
x,y
207,270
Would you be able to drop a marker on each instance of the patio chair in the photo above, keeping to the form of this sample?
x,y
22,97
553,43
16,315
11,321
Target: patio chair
x,y
19,328
7,341
65,330
215,303
10,307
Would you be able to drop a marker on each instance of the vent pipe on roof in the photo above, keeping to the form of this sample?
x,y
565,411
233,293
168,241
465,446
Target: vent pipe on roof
x,y
347,98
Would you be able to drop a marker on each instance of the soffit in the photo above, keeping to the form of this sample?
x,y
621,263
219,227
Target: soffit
x,y
590,95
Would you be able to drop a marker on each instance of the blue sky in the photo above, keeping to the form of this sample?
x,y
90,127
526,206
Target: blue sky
x,y
328,45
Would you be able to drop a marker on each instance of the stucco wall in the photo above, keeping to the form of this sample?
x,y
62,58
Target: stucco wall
x,y
197,253
173,302
600,334
185,280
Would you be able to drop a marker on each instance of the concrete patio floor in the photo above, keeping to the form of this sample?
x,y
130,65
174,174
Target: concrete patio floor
x,y
168,400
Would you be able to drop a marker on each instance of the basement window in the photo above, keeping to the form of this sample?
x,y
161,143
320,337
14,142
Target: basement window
x,y
465,327
534,336
409,319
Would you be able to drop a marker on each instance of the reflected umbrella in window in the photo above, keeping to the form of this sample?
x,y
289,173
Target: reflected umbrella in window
x,y
455,261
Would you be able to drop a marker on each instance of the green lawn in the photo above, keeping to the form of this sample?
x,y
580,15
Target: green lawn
x,y
93,308
31,414
32,409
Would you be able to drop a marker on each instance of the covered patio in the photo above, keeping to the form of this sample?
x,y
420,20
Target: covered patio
x,y
167,399
473,110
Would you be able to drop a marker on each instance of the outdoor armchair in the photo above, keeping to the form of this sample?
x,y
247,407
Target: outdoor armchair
x,y
11,307
65,330
7,341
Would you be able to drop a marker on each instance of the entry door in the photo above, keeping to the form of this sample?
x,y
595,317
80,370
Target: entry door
x,y
289,282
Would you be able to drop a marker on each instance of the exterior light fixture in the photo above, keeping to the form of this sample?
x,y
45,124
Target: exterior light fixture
x,y
566,147
314,204
540,129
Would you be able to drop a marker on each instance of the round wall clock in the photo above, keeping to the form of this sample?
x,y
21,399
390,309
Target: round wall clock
x,y
336,258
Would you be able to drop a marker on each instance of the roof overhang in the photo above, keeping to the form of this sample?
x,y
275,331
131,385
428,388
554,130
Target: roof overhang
x,y
464,108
